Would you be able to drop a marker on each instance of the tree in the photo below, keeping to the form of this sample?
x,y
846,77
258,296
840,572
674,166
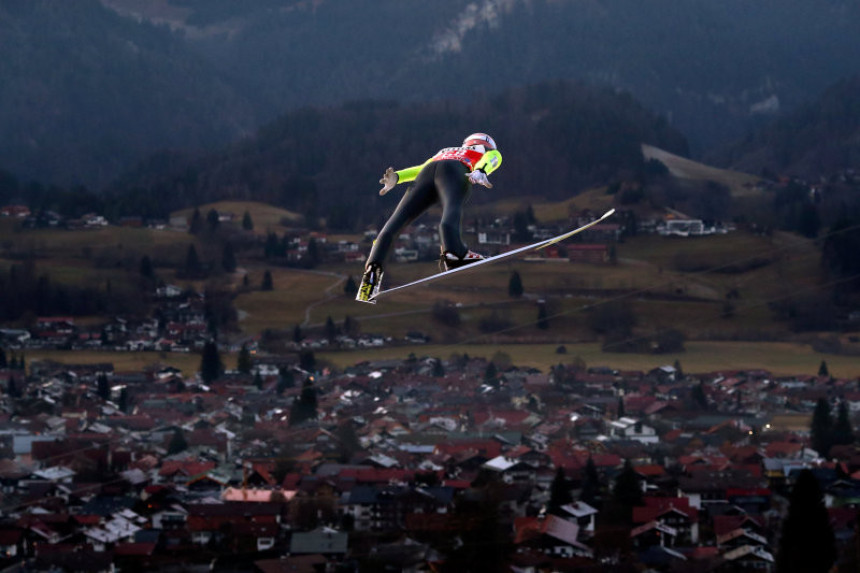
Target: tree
x,y
211,366
700,399
286,379
305,407
348,442
821,428
258,380
559,492
213,220
490,373
146,270
330,329
122,403
297,334
438,368
843,433
542,319
228,258
177,442
3,362
350,287
620,407
196,223
192,262
590,492
244,364
626,493
267,283
307,361
12,388
515,285
822,369
247,223
807,543
103,387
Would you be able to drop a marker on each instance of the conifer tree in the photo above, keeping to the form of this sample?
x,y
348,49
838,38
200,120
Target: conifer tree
x,y
196,224
268,283
177,442
822,369
330,329
211,366
305,407
821,428
807,543
123,400
103,387
559,492
626,493
843,433
515,285
228,258
542,319
286,379
350,287
244,364
212,220
620,407
12,388
590,492
3,363
247,223
438,368
490,372
192,261
146,270
297,334
258,380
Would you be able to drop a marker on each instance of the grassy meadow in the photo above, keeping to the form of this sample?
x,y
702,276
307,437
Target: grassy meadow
x,y
668,282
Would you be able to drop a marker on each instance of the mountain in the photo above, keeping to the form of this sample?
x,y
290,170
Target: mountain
x,y
713,68
87,88
84,93
556,140
820,138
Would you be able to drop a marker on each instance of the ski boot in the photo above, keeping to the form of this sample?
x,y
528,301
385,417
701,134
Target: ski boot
x,y
371,282
449,260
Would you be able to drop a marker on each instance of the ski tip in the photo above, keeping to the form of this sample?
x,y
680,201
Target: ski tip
x,y
608,213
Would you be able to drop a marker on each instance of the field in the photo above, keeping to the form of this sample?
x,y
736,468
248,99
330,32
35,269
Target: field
x,y
669,284
780,358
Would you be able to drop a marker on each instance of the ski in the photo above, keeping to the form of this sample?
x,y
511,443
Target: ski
x,y
489,260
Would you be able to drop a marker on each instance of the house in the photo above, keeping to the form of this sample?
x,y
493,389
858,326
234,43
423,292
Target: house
x,y
632,429
674,512
583,514
511,470
550,535
749,558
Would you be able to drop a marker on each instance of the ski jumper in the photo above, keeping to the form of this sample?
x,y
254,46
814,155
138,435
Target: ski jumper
x,y
441,179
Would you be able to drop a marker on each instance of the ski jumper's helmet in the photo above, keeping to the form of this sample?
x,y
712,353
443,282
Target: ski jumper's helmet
x,y
480,139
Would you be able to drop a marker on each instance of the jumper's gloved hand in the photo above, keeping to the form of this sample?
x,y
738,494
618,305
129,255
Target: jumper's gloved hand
x,y
388,181
480,178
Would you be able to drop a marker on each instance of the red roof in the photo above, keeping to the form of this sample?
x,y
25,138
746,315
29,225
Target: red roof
x,y
185,467
656,507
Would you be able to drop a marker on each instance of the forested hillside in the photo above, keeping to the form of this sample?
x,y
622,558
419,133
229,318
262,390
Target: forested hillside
x,y
556,139
85,93
88,88
821,138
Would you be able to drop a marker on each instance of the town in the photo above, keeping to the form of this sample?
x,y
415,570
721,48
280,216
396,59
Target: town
x,y
415,465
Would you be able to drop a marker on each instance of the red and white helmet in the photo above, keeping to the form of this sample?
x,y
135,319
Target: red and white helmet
x,y
480,139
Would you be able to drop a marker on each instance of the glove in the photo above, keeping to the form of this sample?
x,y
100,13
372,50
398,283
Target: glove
x,y
388,181
480,178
